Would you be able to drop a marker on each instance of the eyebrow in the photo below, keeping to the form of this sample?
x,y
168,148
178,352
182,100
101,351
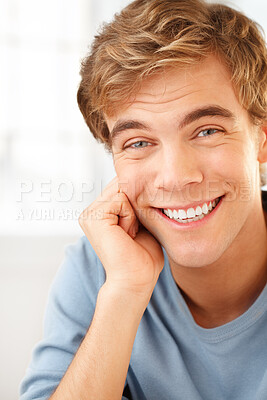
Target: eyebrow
x,y
124,125
207,111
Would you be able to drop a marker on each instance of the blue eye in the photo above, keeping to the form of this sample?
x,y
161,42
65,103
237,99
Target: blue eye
x,y
207,132
139,145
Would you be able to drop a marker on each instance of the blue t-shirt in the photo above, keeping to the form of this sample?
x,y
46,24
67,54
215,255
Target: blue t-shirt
x,y
173,358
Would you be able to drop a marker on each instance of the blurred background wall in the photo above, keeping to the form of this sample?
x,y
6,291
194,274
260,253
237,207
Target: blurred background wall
x,y
50,166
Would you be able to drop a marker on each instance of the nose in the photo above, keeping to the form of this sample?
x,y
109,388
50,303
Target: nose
x,y
177,168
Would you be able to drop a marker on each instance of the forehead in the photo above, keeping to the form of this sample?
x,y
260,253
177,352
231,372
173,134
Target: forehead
x,y
179,90
174,83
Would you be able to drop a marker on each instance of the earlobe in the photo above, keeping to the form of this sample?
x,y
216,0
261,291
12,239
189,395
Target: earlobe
x,y
262,153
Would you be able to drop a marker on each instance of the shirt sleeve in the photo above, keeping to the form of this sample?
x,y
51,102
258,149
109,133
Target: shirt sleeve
x,y
69,311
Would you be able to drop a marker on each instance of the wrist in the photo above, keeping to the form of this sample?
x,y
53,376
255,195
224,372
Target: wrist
x,y
124,298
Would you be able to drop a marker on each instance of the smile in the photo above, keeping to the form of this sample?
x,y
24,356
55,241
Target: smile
x,y
191,214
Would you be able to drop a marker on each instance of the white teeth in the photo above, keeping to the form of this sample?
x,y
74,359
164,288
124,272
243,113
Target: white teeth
x,y
175,214
191,213
205,208
182,214
198,210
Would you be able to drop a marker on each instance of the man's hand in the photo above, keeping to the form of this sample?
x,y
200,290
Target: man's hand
x,y
132,260
131,256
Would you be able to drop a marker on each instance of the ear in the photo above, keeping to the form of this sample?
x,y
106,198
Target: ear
x,y
262,152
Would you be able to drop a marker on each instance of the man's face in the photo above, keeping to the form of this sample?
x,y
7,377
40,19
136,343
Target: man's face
x,y
184,141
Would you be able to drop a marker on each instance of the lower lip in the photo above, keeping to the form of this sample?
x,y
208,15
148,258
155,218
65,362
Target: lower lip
x,y
193,224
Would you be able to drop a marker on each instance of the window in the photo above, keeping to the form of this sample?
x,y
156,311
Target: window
x,y
51,168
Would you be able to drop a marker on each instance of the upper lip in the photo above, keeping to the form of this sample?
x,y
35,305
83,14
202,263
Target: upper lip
x,y
191,205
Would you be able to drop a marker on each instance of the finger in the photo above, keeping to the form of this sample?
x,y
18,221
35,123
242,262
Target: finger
x,y
116,211
109,191
126,215
129,223
106,194
112,187
134,228
116,185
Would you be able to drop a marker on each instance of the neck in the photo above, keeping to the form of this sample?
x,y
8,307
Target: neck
x,y
220,292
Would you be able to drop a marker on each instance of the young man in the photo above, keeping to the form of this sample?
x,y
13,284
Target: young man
x,y
165,296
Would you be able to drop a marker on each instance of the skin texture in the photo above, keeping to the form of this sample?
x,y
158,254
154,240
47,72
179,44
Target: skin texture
x,y
220,264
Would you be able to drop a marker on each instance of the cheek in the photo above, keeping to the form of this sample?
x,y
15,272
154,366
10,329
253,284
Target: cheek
x,y
228,163
236,169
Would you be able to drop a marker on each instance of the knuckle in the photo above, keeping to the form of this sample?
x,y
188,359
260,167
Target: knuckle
x,y
81,219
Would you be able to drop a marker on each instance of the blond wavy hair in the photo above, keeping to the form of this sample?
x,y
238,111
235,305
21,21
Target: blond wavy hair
x,y
149,35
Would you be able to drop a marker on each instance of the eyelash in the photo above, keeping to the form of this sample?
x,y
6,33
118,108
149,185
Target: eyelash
x,y
208,129
139,141
131,146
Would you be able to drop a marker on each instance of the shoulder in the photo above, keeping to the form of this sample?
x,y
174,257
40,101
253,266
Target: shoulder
x,y
80,274
69,311
83,259
82,256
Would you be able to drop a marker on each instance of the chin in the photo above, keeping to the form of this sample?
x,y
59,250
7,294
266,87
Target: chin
x,y
191,254
196,260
